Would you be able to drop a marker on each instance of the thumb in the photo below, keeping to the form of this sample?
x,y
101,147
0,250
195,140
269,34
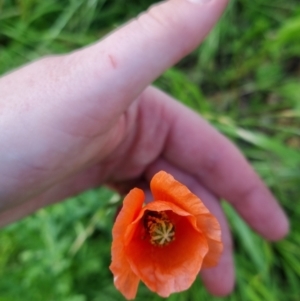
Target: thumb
x,y
127,61
101,80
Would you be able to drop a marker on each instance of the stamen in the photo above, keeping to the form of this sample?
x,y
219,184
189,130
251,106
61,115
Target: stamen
x,y
159,227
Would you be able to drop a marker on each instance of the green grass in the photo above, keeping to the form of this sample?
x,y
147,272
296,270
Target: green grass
x,y
245,79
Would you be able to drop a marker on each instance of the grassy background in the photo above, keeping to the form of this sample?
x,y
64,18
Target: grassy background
x,y
244,79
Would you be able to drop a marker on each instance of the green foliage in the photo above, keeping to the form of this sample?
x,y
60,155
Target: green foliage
x,y
244,79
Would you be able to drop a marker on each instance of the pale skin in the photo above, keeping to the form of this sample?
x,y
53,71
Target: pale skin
x,y
90,118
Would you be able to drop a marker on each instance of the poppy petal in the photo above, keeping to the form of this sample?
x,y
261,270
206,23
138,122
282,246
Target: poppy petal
x,y
157,206
125,280
170,268
211,227
165,188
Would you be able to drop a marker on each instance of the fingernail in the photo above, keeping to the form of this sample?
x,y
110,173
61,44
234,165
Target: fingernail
x,y
199,1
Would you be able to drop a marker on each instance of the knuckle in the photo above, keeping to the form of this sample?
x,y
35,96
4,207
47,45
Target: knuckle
x,y
247,192
211,163
155,20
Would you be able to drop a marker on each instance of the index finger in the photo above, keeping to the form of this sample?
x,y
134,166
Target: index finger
x,y
197,148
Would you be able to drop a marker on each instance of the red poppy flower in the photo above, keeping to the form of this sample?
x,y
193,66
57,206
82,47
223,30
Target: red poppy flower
x,y
164,243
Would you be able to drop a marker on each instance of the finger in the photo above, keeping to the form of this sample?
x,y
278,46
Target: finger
x,y
100,81
219,280
136,54
196,147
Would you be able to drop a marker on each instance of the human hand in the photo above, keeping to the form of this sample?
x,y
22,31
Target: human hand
x,y
72,122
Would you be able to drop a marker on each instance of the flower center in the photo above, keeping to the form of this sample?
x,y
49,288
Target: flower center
x,y
159,227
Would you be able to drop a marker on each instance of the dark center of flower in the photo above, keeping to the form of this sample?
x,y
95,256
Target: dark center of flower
x,y
159,227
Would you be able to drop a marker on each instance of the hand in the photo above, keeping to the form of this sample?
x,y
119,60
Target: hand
x,y
72,122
